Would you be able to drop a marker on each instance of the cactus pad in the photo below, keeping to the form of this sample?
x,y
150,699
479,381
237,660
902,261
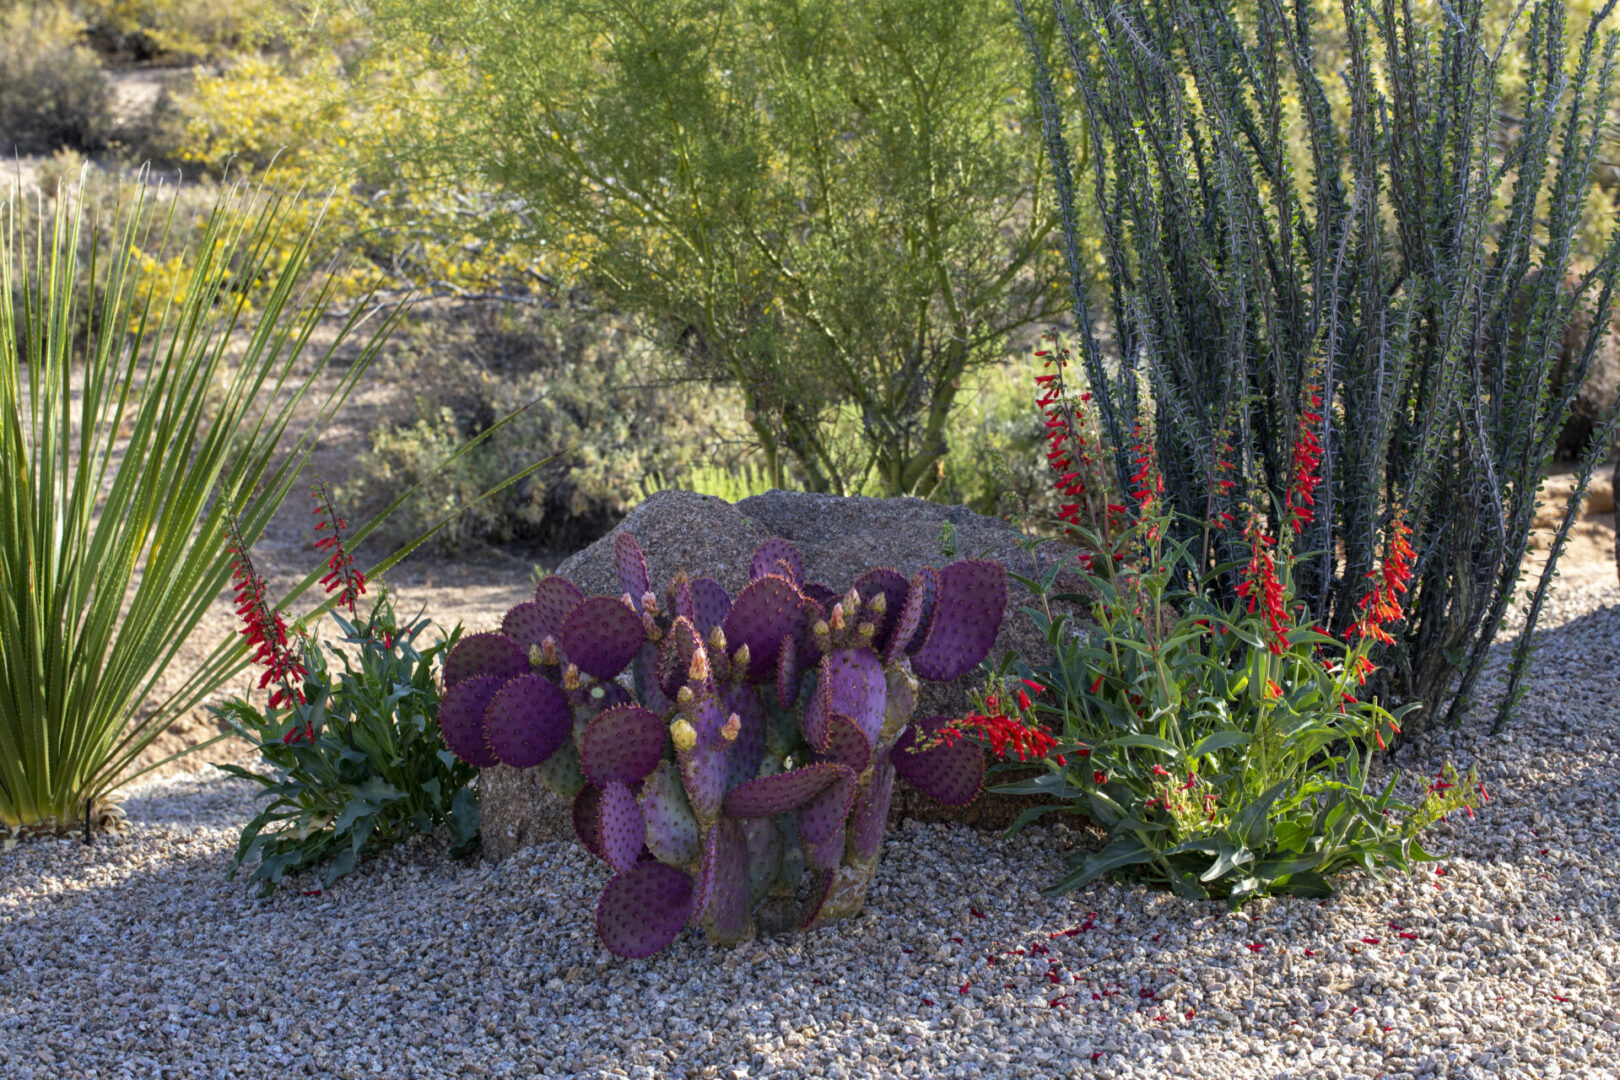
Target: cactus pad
x,y
527,719
488,653
777,556
782,792
624,743
725,885
601,636
588,820
824,815
526,624
788,676
891,584
710,602
461,719
967,615
620,828
871,813
853,681
764,856
913,615
643,909
953,775
748,749
823,597
561,772
556,597
767,611
672,830
631,566
845,743
821,887
827,853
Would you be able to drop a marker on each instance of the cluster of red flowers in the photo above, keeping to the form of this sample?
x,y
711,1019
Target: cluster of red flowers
x,y
1261,588
1001,731
1382,604
1307,459
343,574
1066,450
264,627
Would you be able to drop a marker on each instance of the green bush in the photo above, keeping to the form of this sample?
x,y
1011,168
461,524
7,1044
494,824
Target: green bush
x,y
589,394
52,93
361,765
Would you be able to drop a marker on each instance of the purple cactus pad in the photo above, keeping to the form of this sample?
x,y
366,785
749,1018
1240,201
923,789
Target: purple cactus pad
x,y
777,556
824,815
767,611
526,625
620,826
588,820
672,830
764,855
488,653
527,720
967,616
871,813
854,685
953,775
911,620
681,600
556,597
624,743
748,749
846,744
643,909
631,566
893,587
823,597
789,679
782,792
601,636
461,719
675,656
725,866
821,887
827,853
710,602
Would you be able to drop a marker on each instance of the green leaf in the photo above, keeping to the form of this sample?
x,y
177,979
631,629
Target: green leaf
x,y
1146,742
1217,741
1117,855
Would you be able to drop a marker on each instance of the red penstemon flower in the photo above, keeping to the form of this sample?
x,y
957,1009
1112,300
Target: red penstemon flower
x,y
1262,590
1382,604
342,573
264,627
1306,459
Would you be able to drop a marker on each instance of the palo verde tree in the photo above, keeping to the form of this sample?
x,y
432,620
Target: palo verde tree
x,y
837,206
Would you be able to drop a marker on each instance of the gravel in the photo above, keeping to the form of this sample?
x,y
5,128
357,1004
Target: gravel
x,y
136,958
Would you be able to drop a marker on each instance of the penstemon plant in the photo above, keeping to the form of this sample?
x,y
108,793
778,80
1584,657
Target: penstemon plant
x,y
1225,746
356,759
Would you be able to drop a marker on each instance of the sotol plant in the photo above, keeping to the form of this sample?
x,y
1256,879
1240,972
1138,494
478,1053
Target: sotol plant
x,y
745,782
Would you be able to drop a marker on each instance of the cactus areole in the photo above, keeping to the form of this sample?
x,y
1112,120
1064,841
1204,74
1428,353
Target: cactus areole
x,y
731,759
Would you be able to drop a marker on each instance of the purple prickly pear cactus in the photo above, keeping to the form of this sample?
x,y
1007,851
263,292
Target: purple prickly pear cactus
x,y
746,779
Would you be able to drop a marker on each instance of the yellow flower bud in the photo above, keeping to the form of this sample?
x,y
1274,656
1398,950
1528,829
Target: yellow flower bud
x,y
683,734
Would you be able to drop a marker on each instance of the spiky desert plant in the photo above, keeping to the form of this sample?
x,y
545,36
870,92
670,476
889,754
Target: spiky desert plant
x,y
1413,261
745,780
126,439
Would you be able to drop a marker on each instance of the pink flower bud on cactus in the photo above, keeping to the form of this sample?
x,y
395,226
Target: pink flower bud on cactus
x,y
650,627
717,639
683,697
836,620
649,602
683,734
548,651
878,605
732,728
571,678
852,602
699,671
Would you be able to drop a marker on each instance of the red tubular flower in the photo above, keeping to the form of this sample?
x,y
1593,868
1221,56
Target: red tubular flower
x,y
1382,604
1262,590
264,627
1306,460
1002,733
343,573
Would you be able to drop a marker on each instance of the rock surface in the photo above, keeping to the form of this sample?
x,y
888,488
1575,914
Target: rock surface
x,y
840,539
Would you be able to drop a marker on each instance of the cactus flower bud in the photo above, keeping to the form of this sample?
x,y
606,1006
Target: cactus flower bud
x,y
732,728
548,652
650,627
820,629
717,639
868,631
699,671
684,697
879,604
537,657
742,657
649,602
683,734
627,600
836,620
852,602
571,678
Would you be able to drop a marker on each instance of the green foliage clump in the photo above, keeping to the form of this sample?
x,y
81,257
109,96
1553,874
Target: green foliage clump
x,y
1411,265
52,93
827,205
585,395
362,764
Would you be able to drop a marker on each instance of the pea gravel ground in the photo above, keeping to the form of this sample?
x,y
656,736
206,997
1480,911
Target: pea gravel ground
x,y
135,958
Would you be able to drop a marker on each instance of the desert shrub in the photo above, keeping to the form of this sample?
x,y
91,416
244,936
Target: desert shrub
x,y
1410,267
52,93
590,396
824,205
174,30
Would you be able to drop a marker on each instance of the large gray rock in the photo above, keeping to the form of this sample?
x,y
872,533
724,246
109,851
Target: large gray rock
x,y
840,539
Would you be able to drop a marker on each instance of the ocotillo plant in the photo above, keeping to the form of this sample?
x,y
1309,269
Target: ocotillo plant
x,y
1411,266
732,760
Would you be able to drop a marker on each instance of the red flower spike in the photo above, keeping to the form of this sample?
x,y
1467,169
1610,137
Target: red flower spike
x,y
343,573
